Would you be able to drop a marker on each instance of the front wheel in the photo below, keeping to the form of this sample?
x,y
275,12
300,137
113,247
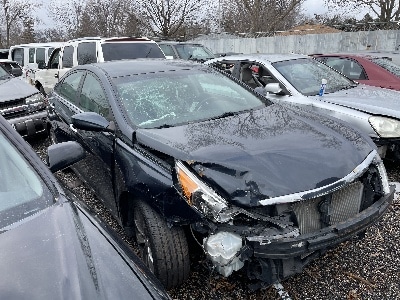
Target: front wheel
x,y
164,249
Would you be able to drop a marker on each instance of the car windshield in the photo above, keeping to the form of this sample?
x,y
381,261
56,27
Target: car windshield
x,y
22,192
306,76
3,72
159,99
120,50
193,52
387,64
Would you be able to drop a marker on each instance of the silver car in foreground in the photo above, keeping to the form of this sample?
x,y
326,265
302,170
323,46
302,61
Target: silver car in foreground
x,y
301,80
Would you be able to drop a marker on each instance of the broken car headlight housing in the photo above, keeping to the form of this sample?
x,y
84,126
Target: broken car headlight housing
x,y
385,127
200,196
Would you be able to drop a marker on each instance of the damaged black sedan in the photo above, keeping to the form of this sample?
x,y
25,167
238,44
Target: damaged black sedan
x,y
176,148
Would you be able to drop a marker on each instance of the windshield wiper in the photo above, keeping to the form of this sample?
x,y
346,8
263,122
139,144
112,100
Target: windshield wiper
x,y
224,115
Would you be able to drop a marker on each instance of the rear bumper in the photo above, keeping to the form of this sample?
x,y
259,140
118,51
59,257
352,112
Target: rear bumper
x,y
306,244
31,124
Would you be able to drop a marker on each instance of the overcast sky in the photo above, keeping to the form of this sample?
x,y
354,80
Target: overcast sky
x,y
312,7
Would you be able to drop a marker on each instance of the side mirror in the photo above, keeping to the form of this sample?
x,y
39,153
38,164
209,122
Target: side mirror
x,y
41,65
274,88
92,121
63,155
16,72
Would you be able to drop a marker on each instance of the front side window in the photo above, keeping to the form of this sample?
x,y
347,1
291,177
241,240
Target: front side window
x,y
92,96
306,74
49,51
119,50
68,88
154,100
54,59
167,49
22,192
67,58
86,53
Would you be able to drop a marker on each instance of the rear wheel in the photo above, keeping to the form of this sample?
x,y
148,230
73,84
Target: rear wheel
x,y
164,249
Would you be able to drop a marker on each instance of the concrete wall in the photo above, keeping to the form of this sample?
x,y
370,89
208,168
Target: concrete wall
x,y
388,40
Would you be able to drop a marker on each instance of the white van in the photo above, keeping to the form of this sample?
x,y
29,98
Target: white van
x,y
91,50
32,56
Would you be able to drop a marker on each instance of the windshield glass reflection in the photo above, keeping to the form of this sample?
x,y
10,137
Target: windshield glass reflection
x,y
306,76
22,192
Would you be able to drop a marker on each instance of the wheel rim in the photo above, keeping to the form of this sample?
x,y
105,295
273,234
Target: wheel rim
x,y
144,243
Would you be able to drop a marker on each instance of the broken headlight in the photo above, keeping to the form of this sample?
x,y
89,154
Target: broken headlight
x,y
385,127
200,196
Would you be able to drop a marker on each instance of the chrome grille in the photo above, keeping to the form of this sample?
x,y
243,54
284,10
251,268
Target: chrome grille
x,y
344,204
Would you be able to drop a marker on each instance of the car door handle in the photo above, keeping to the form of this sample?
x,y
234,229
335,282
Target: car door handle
x,y
73,128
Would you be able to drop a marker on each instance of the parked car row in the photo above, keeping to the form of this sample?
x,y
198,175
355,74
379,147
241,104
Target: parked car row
x,y
266,161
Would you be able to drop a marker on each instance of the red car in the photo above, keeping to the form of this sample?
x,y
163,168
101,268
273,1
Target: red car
x,y
370,69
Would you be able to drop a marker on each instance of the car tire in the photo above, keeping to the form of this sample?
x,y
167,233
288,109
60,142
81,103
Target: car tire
x,y
163,248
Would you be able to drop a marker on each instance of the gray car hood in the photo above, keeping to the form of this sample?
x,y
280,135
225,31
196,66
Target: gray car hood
x,y
12,88
369,99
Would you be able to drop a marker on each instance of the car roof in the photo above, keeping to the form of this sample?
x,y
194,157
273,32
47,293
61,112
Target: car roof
x,y
275,57
120,68
178,43
8,61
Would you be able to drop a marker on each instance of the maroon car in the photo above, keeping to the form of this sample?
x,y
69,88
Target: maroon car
x,y
370,69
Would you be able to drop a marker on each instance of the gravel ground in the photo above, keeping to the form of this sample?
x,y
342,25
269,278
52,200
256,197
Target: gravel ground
x,y
356,269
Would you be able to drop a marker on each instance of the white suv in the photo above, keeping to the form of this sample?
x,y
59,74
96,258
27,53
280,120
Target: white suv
x,y
90,50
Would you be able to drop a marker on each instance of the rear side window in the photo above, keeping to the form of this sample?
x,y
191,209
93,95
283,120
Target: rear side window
x,y
86,53
119,50
18,55
32,55
40,56
67,59
68,88
92,96
348,67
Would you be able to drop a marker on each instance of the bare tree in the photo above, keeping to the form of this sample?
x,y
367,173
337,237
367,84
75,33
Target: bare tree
x,y
252,16
110,18
166,17
67,16
14,13
384,10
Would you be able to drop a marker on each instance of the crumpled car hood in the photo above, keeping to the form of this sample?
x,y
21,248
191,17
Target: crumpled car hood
x,y
13,88
369,99
265,153
59,254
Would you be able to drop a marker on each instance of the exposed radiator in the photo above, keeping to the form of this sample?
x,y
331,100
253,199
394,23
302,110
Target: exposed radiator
x,y
344,204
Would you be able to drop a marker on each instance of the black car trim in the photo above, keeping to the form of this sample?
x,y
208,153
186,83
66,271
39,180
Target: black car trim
x,y
326,237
